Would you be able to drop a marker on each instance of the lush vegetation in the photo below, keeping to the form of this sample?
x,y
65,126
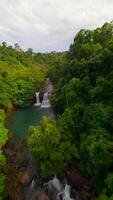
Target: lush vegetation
x,y
3,139
21,75
83,98
53,153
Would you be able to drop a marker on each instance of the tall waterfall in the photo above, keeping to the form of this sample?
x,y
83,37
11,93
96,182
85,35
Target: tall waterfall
x,y
37,100
45,102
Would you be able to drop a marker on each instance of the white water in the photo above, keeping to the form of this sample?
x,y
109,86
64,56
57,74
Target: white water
x,y
56,188
45,102
55,184
37,100
32,184
66,193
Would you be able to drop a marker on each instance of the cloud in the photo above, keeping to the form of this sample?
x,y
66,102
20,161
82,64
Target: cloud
x,y
47,25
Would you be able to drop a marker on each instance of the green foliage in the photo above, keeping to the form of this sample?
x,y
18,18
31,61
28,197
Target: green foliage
x,y
47,145
109,183
83,97
21,74
3,130
104,197
3,139
2,186
2,159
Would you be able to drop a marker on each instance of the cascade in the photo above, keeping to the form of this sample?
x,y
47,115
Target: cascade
x,y
58,190
66,193
37,100
55,184
32,184
45,102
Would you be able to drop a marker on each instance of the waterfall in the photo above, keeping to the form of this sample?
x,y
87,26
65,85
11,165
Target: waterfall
x,y
58,190
32,184
37,100
66,193
48,91
45,102
55,184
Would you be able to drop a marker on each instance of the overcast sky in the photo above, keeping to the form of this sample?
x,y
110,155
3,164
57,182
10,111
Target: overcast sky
x,y
48,25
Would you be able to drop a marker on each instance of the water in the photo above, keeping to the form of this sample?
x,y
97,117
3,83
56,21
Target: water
x,y
45,102
58,190
20,120
66,193
54,185
32,184
37,100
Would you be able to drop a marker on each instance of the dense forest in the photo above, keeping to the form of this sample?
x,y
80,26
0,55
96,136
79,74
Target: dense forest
x,y
84,102
82,99
21,75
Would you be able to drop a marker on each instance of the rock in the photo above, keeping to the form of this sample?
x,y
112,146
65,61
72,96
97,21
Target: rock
x,y
24,177
84,195
42,195
17,194
9,152
81,183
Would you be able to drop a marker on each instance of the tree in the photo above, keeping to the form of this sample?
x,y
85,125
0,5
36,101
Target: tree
x,y
2,187
109,183
17,47
4,44
83,97
30,50
47,146
3,139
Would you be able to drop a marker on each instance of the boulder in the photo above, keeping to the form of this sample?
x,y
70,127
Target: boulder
x,y
81,183
42,195
24,177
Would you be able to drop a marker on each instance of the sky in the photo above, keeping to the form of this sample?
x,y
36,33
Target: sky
x,y
50,25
